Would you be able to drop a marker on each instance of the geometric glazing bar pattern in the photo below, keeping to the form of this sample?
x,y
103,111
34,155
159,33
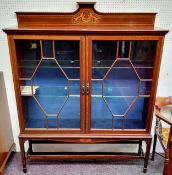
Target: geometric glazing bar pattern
x,y
51,81
124,85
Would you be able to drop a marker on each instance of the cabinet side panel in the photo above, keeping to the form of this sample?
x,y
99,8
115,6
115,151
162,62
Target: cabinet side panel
x,y
13,58
155,81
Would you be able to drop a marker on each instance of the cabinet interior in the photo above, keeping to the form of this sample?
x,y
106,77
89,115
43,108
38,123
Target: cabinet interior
x,y
121,82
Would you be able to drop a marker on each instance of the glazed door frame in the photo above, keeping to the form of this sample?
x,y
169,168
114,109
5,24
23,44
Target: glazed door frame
x,y
89,44
86,74
12,46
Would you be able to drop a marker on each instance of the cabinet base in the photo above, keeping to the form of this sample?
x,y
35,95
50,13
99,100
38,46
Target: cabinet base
x,y
144,170
85,155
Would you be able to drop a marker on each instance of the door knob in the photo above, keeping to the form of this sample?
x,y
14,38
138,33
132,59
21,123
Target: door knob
x,y
83,88
87,88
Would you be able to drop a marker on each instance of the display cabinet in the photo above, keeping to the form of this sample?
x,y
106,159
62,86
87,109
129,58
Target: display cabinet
x,y
85,77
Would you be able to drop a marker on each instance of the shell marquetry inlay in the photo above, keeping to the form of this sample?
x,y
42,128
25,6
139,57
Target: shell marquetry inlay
x,y
85,16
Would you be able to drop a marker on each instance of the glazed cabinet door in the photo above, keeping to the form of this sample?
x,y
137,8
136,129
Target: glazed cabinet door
x,y
50,73
120,75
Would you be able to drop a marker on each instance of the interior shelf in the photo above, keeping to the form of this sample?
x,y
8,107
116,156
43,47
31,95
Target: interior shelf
x,y
120,83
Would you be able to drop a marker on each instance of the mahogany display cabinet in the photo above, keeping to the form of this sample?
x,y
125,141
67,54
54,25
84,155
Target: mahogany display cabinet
x,y
85,77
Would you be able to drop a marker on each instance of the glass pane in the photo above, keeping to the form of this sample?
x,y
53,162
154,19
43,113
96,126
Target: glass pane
x,y
74,87
34,117
67,55
121,80
100,115
97,87
137,116
120,88
145,87
51,95
104,54
66,120
52,87
143,56
28,57
47,47
123,51
121,95
118,122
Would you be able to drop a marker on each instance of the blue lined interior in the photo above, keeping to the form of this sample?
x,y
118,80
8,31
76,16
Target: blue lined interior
x,y
120,86
52,98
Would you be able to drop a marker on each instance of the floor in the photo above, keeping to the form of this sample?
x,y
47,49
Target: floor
x,y
83,167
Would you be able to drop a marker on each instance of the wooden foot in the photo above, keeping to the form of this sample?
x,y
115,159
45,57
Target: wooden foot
x,y
148,145
145,170
154,146
25,170
166,162
23,157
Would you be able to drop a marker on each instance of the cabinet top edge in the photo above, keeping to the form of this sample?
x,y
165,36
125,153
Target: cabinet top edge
x,y
83,31
58,13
